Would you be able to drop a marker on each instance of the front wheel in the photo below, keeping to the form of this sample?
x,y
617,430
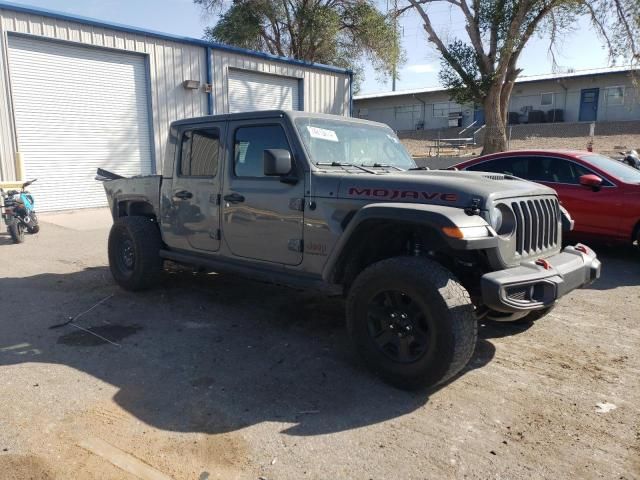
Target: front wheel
x,y
16,230
33,227
412,321
134,252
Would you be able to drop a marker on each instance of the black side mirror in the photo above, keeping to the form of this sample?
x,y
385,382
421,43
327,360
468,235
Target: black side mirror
x,y
277,162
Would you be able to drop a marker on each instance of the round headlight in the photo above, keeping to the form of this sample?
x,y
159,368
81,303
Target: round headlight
x,y
496,219
503,220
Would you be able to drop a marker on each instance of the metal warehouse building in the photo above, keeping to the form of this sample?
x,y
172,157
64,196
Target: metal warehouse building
x,y
77,94
601,95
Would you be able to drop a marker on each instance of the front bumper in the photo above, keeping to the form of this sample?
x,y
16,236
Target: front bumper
x,y
537,284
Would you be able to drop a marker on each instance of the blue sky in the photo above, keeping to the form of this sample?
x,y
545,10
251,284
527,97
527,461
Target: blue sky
x,y
579,49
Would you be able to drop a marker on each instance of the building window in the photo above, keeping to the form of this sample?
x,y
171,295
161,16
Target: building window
x,y
546,99
200,152
441,110
406,109
614,96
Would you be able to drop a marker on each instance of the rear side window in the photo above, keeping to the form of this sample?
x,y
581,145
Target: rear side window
x,y
518,167
250,144
200,153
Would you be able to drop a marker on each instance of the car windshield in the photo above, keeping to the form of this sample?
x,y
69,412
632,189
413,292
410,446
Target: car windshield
x,y
613,167
342,142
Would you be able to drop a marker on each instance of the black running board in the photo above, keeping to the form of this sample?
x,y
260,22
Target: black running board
x,y
285,277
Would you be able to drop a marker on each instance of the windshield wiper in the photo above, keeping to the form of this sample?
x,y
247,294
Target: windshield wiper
x,y
419,168
384,165
341,164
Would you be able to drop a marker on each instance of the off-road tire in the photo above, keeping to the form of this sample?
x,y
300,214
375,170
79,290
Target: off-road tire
x,y
16,230
445,305
141,237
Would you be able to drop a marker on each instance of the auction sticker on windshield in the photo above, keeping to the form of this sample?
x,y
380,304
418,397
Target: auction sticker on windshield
x,y
322,134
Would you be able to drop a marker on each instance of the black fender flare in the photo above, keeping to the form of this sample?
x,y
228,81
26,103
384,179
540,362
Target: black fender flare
x,y
436,217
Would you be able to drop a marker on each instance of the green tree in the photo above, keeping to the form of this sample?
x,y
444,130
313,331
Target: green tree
x,y
481,68
345,33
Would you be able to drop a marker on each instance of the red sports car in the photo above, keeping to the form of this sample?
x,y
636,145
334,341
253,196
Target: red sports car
x,y
601,194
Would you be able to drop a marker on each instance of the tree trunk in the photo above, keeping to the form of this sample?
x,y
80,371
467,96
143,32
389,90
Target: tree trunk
x,y
495,138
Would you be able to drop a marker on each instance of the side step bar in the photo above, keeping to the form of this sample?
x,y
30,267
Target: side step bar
x,y
289,278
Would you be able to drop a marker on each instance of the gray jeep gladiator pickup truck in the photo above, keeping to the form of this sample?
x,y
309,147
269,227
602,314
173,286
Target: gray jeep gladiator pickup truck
x,y
322,201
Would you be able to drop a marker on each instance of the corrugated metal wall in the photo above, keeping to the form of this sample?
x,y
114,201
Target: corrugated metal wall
x,y
170,63
324,91
7,137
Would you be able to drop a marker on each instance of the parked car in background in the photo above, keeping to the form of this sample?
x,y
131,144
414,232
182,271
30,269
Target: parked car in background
x,y
601,194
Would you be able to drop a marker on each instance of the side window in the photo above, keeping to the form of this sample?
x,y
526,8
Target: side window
x,y
250,144
200,153
554,170
517,167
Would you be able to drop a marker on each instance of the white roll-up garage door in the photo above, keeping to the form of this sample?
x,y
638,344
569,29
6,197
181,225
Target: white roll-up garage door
x,y
76,109
249,91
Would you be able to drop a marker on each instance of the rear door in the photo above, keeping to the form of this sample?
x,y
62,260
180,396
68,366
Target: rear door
x,y
193,219
262,216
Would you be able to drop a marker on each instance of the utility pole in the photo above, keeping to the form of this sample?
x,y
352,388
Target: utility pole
x,y
394,73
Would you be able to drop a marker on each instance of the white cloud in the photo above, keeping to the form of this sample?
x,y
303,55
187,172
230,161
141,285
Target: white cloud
x,y
420,68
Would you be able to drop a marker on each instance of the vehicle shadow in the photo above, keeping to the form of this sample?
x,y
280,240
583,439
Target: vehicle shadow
x,y
207,353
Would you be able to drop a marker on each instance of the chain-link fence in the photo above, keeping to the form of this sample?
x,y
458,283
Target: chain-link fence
x,y
608,138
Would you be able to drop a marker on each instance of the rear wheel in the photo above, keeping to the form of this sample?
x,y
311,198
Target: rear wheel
x,y
411,321
134,252
16,230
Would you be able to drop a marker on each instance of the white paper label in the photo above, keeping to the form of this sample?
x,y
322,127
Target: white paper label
x,y
322,134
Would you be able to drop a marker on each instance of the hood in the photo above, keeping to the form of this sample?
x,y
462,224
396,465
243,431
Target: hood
x,y
443,187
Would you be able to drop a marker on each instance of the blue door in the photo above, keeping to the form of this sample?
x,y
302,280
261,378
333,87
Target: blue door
x,y
589,104
478,116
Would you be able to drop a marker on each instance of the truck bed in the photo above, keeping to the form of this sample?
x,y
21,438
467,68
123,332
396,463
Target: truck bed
x,y
142,188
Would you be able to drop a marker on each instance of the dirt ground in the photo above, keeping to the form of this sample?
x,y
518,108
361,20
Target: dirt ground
x,y
605,145
212,376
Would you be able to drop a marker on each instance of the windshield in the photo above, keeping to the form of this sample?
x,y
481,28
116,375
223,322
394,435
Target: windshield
x,y
613,167
343,142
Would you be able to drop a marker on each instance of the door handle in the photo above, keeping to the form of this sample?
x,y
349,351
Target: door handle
x,y
234,198
183,195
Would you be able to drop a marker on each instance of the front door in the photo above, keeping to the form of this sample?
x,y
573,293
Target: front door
x,y
589,104
590,209
262,216
194,215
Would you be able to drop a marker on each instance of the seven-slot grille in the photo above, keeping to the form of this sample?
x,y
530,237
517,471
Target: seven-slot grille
x,y
537,223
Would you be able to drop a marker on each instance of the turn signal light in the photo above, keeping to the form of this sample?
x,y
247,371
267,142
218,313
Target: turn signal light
x,y
453,232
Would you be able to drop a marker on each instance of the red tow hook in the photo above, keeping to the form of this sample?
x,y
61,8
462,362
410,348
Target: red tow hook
x,y
543,263
582,248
